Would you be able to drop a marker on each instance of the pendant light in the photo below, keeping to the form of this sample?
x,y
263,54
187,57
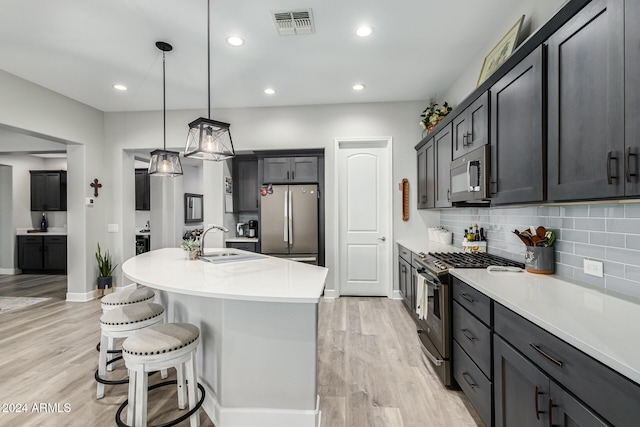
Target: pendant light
x,y
209,139
163,162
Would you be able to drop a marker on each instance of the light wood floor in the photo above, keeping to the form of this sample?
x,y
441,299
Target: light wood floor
x,y
371,370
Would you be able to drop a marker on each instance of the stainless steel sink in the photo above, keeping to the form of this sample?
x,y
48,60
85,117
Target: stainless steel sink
x,y
228,256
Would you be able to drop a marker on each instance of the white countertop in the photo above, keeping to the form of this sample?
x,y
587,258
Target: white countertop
x,y
242,239
51,231
602,325
267,279
424,245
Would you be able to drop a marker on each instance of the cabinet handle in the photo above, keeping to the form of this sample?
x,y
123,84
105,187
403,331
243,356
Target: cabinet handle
x,y
627,165
467,334
550,412
293,174
464,140
467,297
469,138
448,195
536,398
287,175
610,157
466,377
539,350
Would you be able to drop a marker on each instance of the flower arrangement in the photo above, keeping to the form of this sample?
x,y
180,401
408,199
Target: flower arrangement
x,y
192,246
433,114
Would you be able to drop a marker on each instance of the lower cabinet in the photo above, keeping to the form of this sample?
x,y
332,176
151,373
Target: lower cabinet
x,y
42,253
245,246
407,279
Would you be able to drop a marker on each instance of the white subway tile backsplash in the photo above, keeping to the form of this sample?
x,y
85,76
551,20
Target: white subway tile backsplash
x,y
607,232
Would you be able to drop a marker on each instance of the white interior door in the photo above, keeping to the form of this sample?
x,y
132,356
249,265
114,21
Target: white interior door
x,y
364,217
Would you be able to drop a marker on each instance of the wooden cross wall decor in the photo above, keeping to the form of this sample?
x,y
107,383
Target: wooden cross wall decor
x,y
95,184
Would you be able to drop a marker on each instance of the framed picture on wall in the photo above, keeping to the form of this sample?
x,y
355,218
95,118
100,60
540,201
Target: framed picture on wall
x,y
501,51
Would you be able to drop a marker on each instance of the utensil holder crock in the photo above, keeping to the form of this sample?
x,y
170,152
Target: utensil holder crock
x,y
540,260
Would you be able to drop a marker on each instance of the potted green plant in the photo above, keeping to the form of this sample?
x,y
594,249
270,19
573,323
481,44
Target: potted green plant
x,y
105,269
192,246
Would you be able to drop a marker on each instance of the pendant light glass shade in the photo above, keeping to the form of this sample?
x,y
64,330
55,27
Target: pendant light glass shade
x,y
163,162
209,140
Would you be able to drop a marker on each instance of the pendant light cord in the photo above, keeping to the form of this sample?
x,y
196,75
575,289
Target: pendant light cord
x,y
209,57
164,105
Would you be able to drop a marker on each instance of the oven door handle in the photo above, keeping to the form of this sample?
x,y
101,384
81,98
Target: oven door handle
x,y
435,360
431,279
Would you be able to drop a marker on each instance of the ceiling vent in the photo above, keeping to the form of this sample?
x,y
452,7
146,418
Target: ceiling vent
x,y
294,22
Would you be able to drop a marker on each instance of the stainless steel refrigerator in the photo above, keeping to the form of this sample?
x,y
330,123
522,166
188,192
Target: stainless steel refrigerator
x,y
289,222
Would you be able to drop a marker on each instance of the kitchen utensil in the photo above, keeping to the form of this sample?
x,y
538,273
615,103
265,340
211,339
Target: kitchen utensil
x,y
541,232
526,239
240,229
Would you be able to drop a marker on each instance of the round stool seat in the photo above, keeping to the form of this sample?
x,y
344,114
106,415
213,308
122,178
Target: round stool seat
x,y
129,315
161,338
127,297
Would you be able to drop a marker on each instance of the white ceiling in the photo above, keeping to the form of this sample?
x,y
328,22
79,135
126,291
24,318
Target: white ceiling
x,y
81,48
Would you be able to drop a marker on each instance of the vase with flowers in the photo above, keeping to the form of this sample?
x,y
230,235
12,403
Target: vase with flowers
x,y
433,114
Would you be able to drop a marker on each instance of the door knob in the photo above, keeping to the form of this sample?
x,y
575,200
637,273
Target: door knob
x,y
382,239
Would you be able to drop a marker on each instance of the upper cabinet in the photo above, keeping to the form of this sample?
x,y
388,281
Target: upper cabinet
x,y
290,170
585,103
443,148
517,140
471,127
48,190
143,190
426,176
632,99
247,188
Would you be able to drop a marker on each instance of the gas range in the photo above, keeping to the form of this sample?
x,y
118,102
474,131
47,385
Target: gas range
x,y
439,263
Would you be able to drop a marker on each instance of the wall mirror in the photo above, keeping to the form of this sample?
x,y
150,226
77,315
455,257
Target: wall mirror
x,y
192,208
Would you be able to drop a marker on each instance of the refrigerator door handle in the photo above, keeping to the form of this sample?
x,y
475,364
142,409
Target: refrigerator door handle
x,y
290,218
286,219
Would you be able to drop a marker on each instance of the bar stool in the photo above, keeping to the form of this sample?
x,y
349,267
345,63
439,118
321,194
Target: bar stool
x,y
122,322
161,346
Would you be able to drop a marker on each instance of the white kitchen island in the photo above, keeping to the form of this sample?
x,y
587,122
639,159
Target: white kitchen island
x,y
258,320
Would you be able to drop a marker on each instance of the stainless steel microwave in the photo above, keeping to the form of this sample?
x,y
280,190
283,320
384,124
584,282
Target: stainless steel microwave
x,y
470,177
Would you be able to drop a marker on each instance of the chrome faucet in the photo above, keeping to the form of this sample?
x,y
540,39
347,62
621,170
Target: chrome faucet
x,y
216,227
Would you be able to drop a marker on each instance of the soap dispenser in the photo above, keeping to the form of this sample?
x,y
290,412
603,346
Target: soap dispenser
x,y
43,223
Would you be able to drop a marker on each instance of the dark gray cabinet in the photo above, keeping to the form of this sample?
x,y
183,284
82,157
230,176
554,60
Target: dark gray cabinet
x,y
247,188
471,127
517,139
443,151
407,279
631,153
48,190
585,104
143,190
290,169
245,246
40,253
426,176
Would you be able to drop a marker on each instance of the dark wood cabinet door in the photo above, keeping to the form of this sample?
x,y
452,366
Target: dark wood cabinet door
x,y
517,140
404,270
585,104
304,169
567,411
48,190
245,246
632,98
421,156
55,253
30,252
277,169
247,187
430,157
471,127
52,183
443,151
143,190
521,390
37,191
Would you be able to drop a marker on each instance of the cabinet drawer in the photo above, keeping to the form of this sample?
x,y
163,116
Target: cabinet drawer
x,y
610,394
404,253
474,384
29,239
474,337
55,239
475,301
245,246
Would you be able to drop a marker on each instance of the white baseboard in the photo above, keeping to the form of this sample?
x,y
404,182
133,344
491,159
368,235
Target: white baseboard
x,y
331,293
395,294
258,417
10,271
91,295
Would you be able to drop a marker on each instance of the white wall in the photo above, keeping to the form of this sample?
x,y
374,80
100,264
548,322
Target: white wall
x,y
7,233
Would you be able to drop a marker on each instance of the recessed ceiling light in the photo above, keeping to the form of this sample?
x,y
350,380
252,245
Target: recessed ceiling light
x,y
364,31
269,91
235,41
358,86
120,87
